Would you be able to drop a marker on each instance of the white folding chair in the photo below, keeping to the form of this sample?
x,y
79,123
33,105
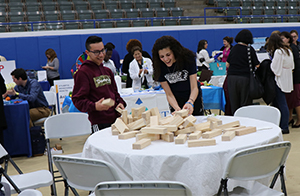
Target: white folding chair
x,y
83,173
145,188
30,192
260,112
20,182
51,99
257,163
62,126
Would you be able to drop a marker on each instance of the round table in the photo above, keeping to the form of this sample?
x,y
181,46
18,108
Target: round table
x,y
200,168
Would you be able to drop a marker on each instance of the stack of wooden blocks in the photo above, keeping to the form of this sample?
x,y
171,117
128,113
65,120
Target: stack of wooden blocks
x,y
149,126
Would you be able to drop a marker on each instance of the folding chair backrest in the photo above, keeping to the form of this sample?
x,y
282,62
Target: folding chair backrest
x,y
67,125
83,173
145,188
258,162
260,112
3,152
51,97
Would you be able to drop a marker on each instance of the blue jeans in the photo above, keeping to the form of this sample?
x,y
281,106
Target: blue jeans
x,y
280,103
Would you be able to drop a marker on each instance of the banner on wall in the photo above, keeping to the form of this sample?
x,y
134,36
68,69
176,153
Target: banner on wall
x,y
62,89
6,67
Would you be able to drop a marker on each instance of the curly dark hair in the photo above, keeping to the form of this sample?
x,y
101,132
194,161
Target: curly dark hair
x,y
182,55
244,36
275,42
131,43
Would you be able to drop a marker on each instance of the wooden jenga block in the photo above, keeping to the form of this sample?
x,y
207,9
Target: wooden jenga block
x,y
171,128
189,121
58,147
166,120
212,133
119,110
214,119
115,131
196,135
155,112
137,124
129,119
113,126
124,116
109,102
121,126
185,131
177,120
135,118
168,137
141,144
183,113
203,142
213,125
146,116
180,127
128,135
205,126
153,137
228,135
154,130
153,121
137,112
245,131
180,139
228,125
233,129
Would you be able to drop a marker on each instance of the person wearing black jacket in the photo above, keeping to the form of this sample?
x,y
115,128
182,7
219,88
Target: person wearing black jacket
x,y
129,57
2,115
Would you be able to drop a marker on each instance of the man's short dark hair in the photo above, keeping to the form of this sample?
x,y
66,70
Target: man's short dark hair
x,y
108,47
245,36
19,73
92,40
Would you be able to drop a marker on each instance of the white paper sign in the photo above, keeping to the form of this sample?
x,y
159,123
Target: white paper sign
x,y
6,67
42,75
62,89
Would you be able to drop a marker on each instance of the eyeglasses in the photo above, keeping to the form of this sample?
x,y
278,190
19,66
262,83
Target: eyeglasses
x,y
97,52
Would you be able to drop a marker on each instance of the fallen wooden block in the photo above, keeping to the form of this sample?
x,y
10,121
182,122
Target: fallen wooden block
x,y
119,110
196,135
228,125
146,116
228,135
213,125
205,126
233,129
109,102
121,126
129,119
155,112
183,113
115,132
125,116
137,124
214,119
153,121
212,133
154,130
171,128
168,137
141,144
180,139
153,137
185,131
177,120
189,121
203,142
128,135
137,112
245,131
166,120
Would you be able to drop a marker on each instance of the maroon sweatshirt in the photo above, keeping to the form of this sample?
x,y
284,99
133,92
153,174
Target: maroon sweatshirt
x,y
92,83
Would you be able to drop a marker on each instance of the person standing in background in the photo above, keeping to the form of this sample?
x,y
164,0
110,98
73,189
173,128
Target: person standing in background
x,y
203,59
107,62
282,66
227,42
129,57
295,37
52,66
2,115
115,57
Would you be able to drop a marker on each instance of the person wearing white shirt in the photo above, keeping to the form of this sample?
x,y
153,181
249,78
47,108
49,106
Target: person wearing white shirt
x,y
203,59
109,63
282,66
140,70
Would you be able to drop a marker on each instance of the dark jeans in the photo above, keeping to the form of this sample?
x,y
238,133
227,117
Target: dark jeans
x,y
51,80
280,103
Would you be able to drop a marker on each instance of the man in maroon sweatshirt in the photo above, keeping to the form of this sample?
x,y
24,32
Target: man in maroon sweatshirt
x,y
93,83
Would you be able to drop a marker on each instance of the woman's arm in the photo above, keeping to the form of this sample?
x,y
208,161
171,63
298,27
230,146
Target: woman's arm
x,y
134,71
206,56
193,95
170,96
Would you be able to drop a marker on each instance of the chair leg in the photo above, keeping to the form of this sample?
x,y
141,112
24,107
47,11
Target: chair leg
x,y
50,164
281,173
2,171
223,184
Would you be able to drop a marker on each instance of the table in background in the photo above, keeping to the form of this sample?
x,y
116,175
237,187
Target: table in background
x,y
201,168
45,85
17,140
213,97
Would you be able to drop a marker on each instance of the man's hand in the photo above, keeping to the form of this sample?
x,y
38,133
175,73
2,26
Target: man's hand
x,y
11,92
100,107
121,106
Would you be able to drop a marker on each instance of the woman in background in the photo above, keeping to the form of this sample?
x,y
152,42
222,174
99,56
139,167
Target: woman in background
x,y
282,66
52,66
203,59
227,42
140,69
174,67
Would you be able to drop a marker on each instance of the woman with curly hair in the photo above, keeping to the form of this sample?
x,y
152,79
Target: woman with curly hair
x,y
129,57
175,68
51,66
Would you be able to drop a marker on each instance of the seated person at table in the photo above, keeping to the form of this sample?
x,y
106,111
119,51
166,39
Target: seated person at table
x,y
175,68
140,69
30,90
93,83
107,62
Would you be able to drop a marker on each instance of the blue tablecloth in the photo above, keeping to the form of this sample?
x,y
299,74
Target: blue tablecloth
x,y
17,139
213,98
45,85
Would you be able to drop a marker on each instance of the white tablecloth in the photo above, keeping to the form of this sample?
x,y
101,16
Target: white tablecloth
x,y
200,168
